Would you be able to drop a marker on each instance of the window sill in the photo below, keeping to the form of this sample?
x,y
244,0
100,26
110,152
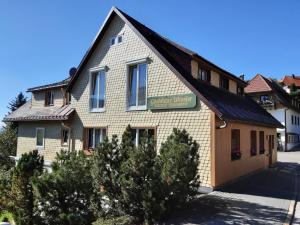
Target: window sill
x,y
139,108
97,110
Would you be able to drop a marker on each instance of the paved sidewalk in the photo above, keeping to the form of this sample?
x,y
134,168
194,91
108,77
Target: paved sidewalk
x,y
262,198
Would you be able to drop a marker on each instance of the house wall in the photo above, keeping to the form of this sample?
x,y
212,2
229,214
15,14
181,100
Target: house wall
x,y
27,139
225,168
161,82
38,98
215,79
232,86
292,128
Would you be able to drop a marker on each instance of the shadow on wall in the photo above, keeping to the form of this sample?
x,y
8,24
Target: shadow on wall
x,y
219,210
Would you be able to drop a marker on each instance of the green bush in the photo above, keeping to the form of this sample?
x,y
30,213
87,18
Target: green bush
x,y
63,196
30,165
179,162
122,220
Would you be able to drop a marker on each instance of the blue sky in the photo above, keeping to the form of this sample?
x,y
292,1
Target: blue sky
x,y
40,40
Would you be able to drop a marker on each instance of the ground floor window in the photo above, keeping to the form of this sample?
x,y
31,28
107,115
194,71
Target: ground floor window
x,y
65,136
93,137
253,147
261,142
235,144
139,133
40,137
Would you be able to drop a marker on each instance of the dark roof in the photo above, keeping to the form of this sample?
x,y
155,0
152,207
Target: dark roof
x,y
62,83
178,59
27,113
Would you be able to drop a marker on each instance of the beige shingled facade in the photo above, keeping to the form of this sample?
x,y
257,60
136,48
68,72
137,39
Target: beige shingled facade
x,y
161,81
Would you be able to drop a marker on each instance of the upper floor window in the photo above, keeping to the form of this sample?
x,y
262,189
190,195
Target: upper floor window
x,y
137,87
97,98
139,133
235,144
116,40
40,137
253,142
204,75
224,83
49,98
240,91
264,98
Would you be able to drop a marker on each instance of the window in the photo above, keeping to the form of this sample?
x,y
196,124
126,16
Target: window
x,y
139,133
65,136
261,142
94,136
49,98
292,138
224,83
204,75
137,87
240,91
97,99
40,137
264,98
116,40
292,118
235,144
253,147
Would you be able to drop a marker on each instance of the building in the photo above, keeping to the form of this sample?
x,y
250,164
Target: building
x,y
285,108
132,75
291,84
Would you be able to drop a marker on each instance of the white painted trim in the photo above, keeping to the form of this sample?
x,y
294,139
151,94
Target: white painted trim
x,y
92,72
138,63
36,131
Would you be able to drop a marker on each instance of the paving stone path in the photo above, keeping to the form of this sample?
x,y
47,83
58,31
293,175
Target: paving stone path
x,y
261,198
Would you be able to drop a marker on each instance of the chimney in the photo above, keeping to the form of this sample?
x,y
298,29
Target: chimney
x,y
293,75
242,76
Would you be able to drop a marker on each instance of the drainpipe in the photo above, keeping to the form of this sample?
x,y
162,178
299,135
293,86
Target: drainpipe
x,y
285,131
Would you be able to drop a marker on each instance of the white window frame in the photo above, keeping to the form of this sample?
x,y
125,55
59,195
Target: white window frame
x,y
116,40
133,63
137,133
36,136
92,72
101,134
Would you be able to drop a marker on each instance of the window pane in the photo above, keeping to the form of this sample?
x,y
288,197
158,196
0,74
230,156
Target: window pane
x,y
90,138
142,135
65,136
142,84
133,134
40,137
97,137
132,85
95,88
120,39
102,89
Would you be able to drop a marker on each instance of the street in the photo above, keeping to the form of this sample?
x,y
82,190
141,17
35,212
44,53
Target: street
x,y
260,198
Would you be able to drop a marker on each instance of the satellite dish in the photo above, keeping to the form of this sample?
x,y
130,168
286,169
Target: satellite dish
x,y
72,71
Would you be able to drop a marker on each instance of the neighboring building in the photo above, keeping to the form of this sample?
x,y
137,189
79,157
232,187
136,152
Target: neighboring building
x,y
132,75
291,82
286,109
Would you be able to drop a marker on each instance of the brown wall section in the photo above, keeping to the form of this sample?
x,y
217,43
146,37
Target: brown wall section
x,y
225,168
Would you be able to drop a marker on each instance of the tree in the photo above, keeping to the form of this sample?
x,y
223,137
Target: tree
x,y
8,143
17,102
63,196
179,162
140,182
29,166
